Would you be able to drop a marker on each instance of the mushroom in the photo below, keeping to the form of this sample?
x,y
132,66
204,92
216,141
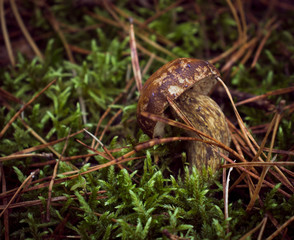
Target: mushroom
x,y
187,82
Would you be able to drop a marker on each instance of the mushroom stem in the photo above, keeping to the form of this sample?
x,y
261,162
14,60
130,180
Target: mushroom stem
x,y
203,114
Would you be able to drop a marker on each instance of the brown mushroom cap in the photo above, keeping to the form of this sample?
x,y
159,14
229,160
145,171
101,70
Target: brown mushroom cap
x,y
171,80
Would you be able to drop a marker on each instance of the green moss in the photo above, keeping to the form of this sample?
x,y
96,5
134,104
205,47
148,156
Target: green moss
x,y
146,200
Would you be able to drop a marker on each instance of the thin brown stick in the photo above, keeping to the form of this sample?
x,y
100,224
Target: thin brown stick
x,y
270,93
243,20
149,53
5,34
108,125
27,180
179,112
64,159
237,145
279,4
135,60
12,157
264,170
276,121
254,229
37,136
257,177
53,178
6,214
235,15
239,54
258,164
39,202
278,174
141,26
262,43
246,134
141,36
280,228
159,13
42,146
256,157
104,148
56,28
226,53
25,31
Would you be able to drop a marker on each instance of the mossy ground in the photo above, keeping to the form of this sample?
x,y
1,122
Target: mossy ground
x,y
144,200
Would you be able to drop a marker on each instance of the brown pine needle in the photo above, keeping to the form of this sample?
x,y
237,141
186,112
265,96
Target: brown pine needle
x,y
19,156
104,155
235,15
262,43
275,123
243,19
5,200
24,107
270,93
159,13
40,202
103,146
56,28
258,164
5,34
43,146
26,181
25,31
264,220
262,229
280,228
135,60
246,134
257,177
35,134
106,127
238,54
53,178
